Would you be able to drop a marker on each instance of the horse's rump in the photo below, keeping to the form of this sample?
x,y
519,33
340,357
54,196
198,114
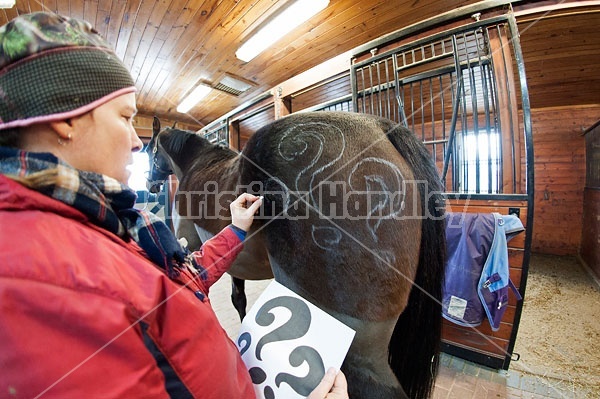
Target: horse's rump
x,y
351,219
344,202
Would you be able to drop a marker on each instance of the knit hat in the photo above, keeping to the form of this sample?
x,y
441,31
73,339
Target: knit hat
x,y
54,68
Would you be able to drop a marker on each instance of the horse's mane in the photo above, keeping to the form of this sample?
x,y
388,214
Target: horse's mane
x,y
189,148
175,139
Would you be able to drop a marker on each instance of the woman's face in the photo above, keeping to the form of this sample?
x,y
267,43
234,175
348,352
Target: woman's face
x,y
105,139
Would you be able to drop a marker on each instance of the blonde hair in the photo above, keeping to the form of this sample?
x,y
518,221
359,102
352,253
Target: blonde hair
x,y
37,180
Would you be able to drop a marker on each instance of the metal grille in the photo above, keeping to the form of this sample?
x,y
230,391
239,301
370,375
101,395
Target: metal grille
x,y
218,135
444,88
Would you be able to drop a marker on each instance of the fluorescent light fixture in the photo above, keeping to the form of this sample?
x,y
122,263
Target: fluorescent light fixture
x,y
193,98
297,13
7,3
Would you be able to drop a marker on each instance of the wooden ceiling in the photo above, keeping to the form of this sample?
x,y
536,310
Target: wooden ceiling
x,y
172,45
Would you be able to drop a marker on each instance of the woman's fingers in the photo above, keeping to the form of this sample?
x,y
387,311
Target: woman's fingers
x,y
324,386
242,215
332,386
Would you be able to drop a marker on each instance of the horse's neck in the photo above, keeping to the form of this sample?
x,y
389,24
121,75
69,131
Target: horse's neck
x,y
203,159
182,160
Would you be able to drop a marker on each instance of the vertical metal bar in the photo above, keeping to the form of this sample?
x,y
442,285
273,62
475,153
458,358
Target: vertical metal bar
x,y
371,89
412,107
497,123
455,108
399,96
490,80
463,118
363,91
422,110
388,87
514,33
512,127
379,89
486,107
354,86
452,131
474,111
443,114
432,103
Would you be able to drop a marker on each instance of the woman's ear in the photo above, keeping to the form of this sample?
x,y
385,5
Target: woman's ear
x,y
64,130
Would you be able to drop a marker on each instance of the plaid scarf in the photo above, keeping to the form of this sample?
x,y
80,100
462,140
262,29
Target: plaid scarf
x,y
105,201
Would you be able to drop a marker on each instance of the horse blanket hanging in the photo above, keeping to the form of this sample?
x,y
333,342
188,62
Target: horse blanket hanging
x,y
477,277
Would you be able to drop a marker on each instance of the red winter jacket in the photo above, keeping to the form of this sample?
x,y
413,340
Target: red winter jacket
x,y
85,314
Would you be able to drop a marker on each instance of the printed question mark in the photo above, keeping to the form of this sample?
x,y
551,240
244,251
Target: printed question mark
x,y
303,385
246,338
295,327
259,376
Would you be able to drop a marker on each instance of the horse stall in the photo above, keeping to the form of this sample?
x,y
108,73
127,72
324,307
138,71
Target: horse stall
x,y
461,89
459,84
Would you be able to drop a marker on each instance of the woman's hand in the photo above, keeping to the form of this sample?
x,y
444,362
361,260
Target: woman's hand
x,y
332,386
242,215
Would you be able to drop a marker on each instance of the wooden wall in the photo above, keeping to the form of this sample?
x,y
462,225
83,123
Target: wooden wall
x,y
559,152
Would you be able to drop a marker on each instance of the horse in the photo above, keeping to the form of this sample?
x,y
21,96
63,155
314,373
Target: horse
x,y
170,155
352,220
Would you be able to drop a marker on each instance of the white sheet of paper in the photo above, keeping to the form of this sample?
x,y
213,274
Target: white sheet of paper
x,y
287,344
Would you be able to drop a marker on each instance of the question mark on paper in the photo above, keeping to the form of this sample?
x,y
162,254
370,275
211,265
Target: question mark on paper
x,y
246,338
303,385
295,327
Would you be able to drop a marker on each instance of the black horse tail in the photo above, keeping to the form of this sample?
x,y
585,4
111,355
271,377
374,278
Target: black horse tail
x,y
415,343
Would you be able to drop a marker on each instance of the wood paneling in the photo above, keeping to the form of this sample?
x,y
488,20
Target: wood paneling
x,y
323,92
247,126
562,58
559,151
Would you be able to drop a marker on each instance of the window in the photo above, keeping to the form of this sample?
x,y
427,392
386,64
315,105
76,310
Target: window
x,y
480,162
139,170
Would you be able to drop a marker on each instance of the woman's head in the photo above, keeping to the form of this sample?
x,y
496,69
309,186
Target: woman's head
x,y
64,90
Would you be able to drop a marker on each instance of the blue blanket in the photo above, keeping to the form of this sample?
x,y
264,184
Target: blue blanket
x,y
477,277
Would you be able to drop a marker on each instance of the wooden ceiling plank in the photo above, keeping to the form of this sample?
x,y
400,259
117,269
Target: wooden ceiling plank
x,y
117,12
138,27
102,20
126,27
90,10
175,31
163,20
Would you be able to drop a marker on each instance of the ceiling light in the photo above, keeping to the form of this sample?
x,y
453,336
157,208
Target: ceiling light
x,y
297,13
7,3
193,98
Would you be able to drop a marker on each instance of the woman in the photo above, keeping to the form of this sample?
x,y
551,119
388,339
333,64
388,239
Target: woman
x,y
98,298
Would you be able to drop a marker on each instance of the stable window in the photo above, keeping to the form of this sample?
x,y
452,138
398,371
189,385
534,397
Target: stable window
x,y
139,170
479,162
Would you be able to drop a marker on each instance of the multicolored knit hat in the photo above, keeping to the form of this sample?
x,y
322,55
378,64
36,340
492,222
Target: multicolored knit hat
x,y
54,68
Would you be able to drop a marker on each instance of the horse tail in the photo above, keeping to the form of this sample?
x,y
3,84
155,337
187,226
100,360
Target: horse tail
x,y
415,343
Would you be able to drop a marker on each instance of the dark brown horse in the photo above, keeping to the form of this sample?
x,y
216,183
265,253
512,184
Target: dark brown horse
x,y
205,179
352,220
